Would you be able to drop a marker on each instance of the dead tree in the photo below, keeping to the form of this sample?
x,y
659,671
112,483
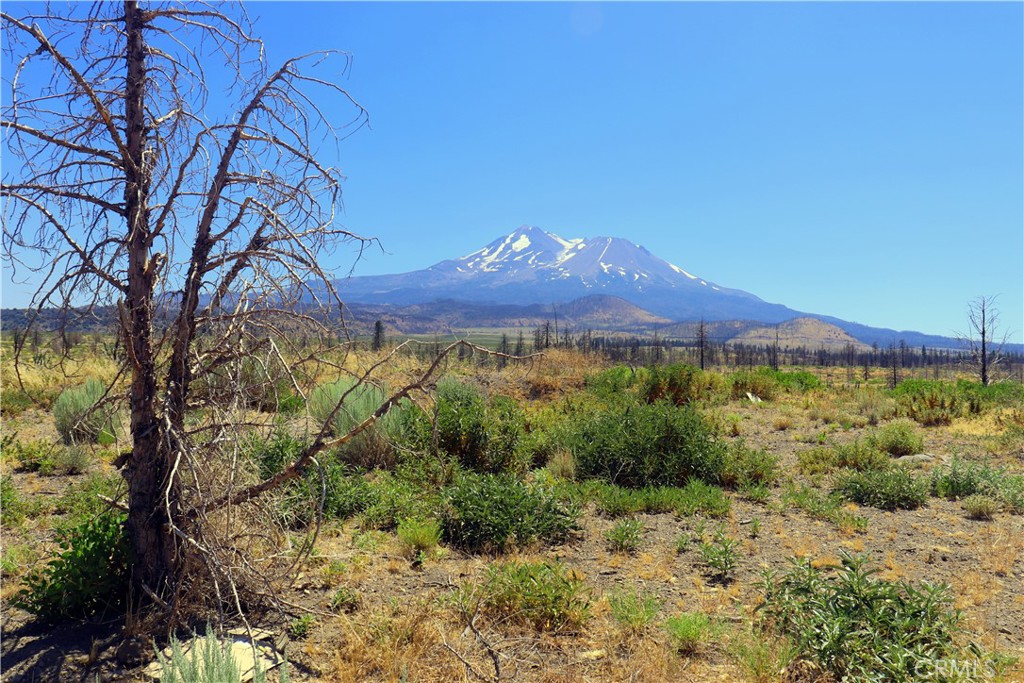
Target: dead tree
x,y
985,353
201,215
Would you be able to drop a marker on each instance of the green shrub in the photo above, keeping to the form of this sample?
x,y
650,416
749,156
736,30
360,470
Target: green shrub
x,y
346,600
899,437
895,489
858,628
720,555
862,456
207,660
486,512
980,507
483,436
699,498
633,610
961,479
12,506
79,419
82,501
14,401
679,384
931,402
542,595
625,536
958,479
818,505
419,536
613,382
761,382
797,381
656,444
747,467
690,631
89,575
373,446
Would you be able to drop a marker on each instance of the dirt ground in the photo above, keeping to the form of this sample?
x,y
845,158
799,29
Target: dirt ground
x,y
405,627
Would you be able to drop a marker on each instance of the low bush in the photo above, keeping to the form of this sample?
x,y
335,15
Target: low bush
x,y
703,499
894,489
855,455
797,381
690,631
633,610
419,537
720,555
680,384
542,595
11,503
372,447
821,506
760,382
78,417
746,467
979,506
625,536
613,382
899,437
962,479
82,500
88,575
859,628
486,512
647,445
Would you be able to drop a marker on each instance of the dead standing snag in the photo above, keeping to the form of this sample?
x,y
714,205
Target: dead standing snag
x,y
203,225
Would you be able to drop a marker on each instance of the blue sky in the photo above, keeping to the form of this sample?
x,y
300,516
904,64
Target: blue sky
x,y
863,160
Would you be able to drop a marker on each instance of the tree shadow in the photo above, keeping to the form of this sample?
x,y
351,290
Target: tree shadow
x,y
38,651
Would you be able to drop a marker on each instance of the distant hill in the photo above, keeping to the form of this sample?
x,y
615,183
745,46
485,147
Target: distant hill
x,y
807,332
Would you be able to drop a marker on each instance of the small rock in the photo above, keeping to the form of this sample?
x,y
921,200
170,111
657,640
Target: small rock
x,y
593,655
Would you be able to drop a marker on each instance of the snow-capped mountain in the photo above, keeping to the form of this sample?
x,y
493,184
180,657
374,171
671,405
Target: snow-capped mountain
x,y
531,265
597,262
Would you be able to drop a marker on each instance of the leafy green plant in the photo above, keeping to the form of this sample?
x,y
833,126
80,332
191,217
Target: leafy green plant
x,y
346,600
543,595
720,555
691,631
895,489
647,445
487,512
88,575
373,446
818,505
979,506
699,498
746,467
207,660
899,437
825,615
961,479
633,610
625,536
760,382
679,384
301,628
78,417
12,505
419,537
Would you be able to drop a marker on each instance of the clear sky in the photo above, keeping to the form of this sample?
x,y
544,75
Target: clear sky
x,y
862,160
